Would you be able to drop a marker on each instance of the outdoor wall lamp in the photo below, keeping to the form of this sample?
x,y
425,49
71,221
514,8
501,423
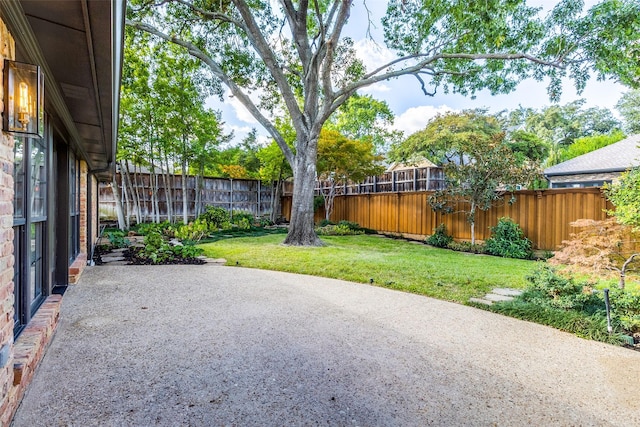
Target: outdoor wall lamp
x,y
23,99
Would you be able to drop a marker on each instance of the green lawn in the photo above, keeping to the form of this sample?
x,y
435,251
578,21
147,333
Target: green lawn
x,y
397,264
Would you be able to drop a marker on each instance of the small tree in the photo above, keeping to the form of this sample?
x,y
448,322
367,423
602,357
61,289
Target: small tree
x,y
480,167
600,246
341,159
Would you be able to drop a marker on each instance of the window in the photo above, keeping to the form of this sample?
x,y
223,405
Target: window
x,y
30,228
74,208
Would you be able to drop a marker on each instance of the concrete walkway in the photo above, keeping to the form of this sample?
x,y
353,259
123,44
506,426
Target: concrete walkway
x,y
212,346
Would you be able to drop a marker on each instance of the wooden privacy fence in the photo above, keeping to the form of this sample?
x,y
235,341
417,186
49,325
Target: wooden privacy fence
x,y
231,194
412,179
543,215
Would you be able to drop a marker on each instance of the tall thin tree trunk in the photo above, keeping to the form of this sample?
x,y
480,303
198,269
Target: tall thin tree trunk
x,y
116,196
127,204
135,191
185,203
167,188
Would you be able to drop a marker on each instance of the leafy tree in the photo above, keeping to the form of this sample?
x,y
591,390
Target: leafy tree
x,y
625,195
341,159
294,53
600,246
235,172
629,108
363,117
479,165
588,144
559,126
527,147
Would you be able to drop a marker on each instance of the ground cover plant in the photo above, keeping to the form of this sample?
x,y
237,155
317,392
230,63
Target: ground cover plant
x,y
576,306
392,263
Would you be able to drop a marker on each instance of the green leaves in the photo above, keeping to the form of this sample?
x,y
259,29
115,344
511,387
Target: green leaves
x,y
625,195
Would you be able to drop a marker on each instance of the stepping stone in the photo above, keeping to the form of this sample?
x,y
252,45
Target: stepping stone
x,y
507,292
114,258
497,298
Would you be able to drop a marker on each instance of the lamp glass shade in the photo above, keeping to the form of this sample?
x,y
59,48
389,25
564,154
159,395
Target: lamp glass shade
x,y
23,99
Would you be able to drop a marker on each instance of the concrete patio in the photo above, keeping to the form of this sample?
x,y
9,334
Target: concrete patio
x,y
212,345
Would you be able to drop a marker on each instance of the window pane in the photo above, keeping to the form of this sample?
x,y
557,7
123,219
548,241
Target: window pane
x,y
38,178
18,178
36,254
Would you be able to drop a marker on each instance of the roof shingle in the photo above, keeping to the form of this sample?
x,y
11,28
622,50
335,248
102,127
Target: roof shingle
x,y
615,157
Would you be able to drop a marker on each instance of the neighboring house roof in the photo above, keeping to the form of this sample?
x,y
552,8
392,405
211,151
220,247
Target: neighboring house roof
x,y
616,157
586,177
406,166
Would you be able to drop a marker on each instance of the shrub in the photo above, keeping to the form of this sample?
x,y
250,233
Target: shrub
x,y
242,217
439,238
548,288
325,222
243,223
164,228
117,239
187,250
625,309
343,228
507,240
215,217
156,248
194,231
466,247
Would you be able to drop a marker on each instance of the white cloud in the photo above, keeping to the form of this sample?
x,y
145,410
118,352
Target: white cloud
x,y
416,118
376,88
373,55
241,112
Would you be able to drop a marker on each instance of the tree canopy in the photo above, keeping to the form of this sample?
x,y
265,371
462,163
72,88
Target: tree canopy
x,y
294,54
629,108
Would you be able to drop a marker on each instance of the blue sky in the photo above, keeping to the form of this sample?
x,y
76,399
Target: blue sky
x,y
412,108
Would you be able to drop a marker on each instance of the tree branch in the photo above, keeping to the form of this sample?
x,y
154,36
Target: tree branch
x,y
259,43
374,77
219,73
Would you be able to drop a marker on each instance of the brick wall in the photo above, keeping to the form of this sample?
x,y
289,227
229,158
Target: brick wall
x,y
7,50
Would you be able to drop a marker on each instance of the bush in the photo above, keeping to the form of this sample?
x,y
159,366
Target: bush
x,y
242,217
467,247
194,231
343,228
165,228
439,238
215,217
548,288
625,309
187,250
507,240
117,239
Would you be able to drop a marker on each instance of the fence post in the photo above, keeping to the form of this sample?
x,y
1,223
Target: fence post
x,y
415,179
375,184
393,181
428,179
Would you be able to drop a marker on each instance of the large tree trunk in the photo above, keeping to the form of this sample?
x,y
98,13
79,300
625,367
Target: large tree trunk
x,y
301,225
